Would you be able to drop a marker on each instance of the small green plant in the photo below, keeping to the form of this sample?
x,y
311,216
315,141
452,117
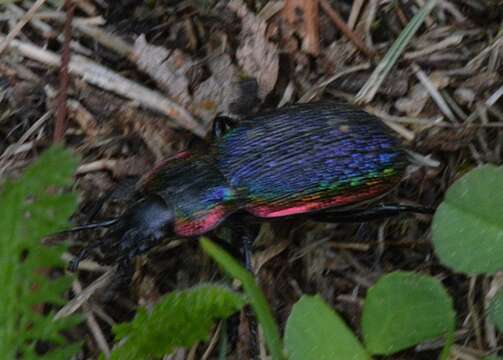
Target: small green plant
x,y
180,320
315,331
467,229
33,207
496,310
256,297
401,310
404,309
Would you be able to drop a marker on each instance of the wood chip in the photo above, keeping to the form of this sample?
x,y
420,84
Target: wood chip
x,y
258,57
168,68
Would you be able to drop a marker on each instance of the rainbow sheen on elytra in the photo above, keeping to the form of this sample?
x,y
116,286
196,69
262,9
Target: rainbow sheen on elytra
x,y
295,160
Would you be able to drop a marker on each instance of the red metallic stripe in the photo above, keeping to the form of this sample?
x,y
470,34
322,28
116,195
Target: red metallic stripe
x,y
301,207
201,223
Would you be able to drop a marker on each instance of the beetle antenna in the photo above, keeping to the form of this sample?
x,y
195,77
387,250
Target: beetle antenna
x,y
74,263
91,226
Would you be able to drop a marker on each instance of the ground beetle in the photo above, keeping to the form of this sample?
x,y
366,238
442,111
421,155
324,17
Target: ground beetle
x,y
327,161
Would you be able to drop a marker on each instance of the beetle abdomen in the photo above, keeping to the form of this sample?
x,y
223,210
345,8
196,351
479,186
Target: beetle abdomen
x,y
310,157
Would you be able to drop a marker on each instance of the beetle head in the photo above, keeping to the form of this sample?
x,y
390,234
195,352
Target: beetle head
x,y
136,231
143,225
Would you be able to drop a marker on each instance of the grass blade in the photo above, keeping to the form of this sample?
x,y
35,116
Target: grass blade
x,y
257,298
368,91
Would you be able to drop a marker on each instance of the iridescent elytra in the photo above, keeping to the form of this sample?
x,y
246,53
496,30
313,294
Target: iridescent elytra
x,y
326,160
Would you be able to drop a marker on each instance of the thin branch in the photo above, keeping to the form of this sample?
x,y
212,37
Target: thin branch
x,y
93,325
64,79
107,79
109,41
312,27
355,12
313,91
434,93
339,22
74,304
442,45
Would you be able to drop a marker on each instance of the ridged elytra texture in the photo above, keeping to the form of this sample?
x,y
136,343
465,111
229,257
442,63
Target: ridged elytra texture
x,y
294,160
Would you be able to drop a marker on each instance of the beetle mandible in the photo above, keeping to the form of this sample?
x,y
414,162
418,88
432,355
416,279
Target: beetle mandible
x,y
328,161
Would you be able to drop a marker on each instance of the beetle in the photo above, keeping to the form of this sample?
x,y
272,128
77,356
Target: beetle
x,y
327,161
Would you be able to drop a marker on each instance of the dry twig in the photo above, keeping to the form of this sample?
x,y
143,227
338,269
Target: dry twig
x,y
341,25
434,93
355,12
107,79
93,325
311,21
84,295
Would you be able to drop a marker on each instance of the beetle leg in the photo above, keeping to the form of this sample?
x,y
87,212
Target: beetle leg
x,y
247,250
381,211
122,192
121,279
98,206
73,265
241,248
242,237
221,125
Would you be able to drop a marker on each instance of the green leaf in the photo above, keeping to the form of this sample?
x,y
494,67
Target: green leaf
x,y
496,310
315,331
257,298
32,207
404,309
180,320
467,229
